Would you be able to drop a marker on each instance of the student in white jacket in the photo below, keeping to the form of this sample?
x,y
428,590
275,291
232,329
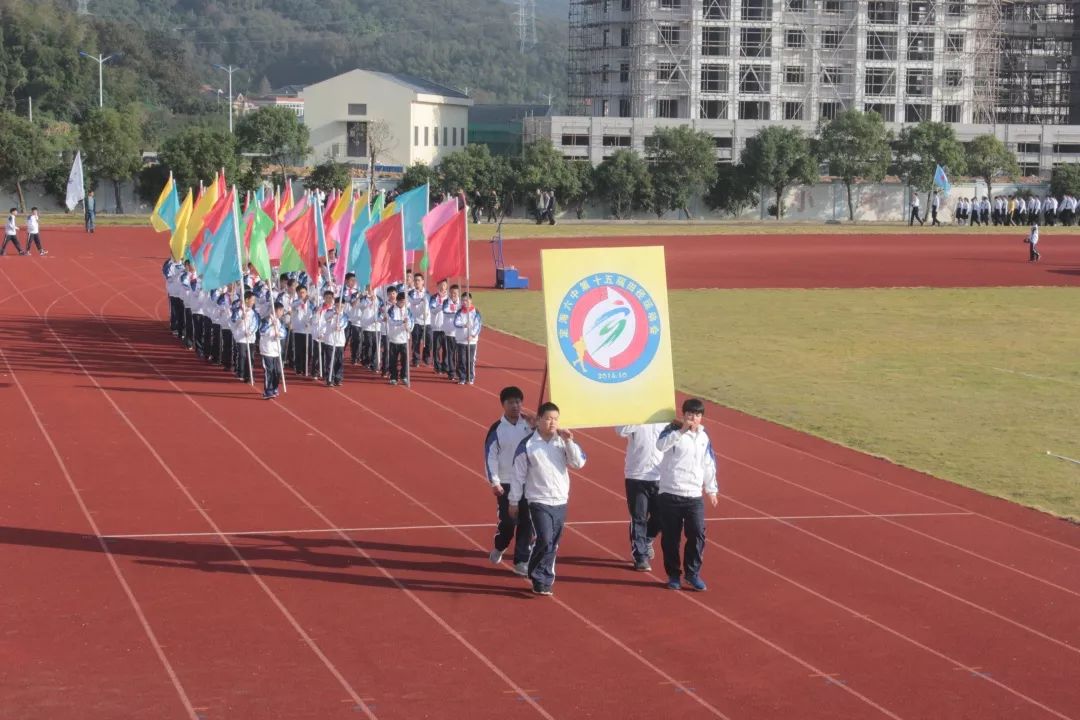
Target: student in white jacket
x,y
642,475
333,324
399,326
687,471
500,445
271,342
541,477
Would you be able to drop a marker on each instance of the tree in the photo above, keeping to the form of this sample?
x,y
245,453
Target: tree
x,y
988,158
110,143
330,174
542,167
733,191
275,133
682,164
418,174
856,146
1065,180
778,158
198,154
380,141
24,153
921,148
472,168
623,181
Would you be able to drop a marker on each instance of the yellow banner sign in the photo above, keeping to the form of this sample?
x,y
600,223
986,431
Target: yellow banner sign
x,y
608,336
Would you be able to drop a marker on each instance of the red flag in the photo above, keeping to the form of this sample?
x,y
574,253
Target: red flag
x,y
212,221
301,232
446,249
386,241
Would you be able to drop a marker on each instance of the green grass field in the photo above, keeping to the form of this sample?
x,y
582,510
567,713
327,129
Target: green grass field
x,y
970,385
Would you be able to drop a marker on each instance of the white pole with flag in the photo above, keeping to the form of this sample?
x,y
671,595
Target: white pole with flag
x,y
470,352
76,188
405,318
240,266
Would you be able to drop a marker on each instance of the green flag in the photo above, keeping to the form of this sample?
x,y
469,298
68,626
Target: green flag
x,y
261,225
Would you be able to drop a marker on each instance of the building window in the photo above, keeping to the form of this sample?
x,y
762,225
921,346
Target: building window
x,y
757,9
575,140
714,78
670,4
445,136
954,43
829,110
921,11
1059,149
435,132
794,75
955,9
667,72
624,73
1036,148
616,141
462,136
669,34
358,108
954,78
920,46
916,113
605,107
1029,169
880,45
830,39
793,111
335,150
713,109
880,81
715,9
427,136
626,5
624,107
950,113
721,143
796,6
607,36
918,83
454,136
356,139
604,71
754,78
795,39
667,108
416,136
755,42
887,112
715,42
832,7
624,37
830,75
753,110
883,12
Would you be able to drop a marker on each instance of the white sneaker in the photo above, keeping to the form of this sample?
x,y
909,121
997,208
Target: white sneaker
x,y
651,552
495,556
521,568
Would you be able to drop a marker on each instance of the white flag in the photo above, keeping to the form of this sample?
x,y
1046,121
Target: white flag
x,y
75,189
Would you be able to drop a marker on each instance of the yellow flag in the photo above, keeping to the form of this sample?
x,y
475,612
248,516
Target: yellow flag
x,y
178,241
202,207
608,336
165,209
388,211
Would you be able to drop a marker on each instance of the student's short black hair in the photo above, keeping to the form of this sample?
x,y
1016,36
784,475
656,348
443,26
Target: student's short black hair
x,y
13,210
511,392
301,287
339,300
33,209
391,289
248,294
328,292
278,306
546,408
455,287
401,297
444,280
349,276
693,405
418,275
466,295
290,282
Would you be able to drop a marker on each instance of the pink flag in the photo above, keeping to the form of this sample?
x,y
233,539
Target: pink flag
x,y
439,216
275,243
340,232
446,249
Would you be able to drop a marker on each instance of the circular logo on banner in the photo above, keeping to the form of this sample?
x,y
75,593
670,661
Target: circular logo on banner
x,y
608,328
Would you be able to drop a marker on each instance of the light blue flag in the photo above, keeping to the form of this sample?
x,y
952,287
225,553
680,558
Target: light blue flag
x,y
941,180
223,265
413,205
359,260
320,231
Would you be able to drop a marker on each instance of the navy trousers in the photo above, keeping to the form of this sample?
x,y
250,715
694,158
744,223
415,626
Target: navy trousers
x,y
641,501
508,527
679,515
547,521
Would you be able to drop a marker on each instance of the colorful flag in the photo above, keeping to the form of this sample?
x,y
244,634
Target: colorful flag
x,y
414,206
341,233
179,235
608,336
320,229
440,215
223,263
276,242
386,242
447,248
259,227
302,241
287,201
206,202
76,189
359,255
203,244
941,180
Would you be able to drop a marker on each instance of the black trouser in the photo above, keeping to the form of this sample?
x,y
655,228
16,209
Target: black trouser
x,y
333,359
208,336
189,327
11,239
301,362
384,355
198,333
641,501
466,362
509,527
214,349
226,348
438,355
271,374
244,354
933,215
547,522
680,515
176,315
1049,216
367,349
398,362
421,335
354,343
32,240
915,216
450,362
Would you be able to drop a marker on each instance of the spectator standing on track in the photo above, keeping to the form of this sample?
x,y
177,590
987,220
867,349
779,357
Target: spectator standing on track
x,y
33,232
90,212
541,477
642,476
1033,244
11,233
500,445
687,470
914,210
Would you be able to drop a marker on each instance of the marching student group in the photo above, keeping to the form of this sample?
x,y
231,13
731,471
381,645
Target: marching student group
x,y
309,326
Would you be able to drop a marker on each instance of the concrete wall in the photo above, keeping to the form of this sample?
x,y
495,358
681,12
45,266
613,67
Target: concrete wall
x,y
36,196
439,119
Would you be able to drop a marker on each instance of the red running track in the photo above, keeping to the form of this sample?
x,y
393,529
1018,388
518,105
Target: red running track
x,y
175,547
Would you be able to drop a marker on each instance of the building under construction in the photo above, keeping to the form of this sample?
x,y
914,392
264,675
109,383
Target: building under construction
x,y
730,66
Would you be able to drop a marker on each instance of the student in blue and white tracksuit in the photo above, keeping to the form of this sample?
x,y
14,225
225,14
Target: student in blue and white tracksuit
x,y
271,342
500,445
541,477
399,327
467,326
420,306
687,470
1033,244
642,475
245,328
438,328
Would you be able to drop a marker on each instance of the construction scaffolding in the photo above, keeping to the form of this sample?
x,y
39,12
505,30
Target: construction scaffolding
x,y
955,61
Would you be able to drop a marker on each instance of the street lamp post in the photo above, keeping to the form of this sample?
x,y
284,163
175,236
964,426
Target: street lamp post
x,y
229,70
101,60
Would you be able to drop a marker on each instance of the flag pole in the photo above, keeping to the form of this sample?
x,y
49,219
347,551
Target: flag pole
x,y
240,267
405,319
288,340
470,369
